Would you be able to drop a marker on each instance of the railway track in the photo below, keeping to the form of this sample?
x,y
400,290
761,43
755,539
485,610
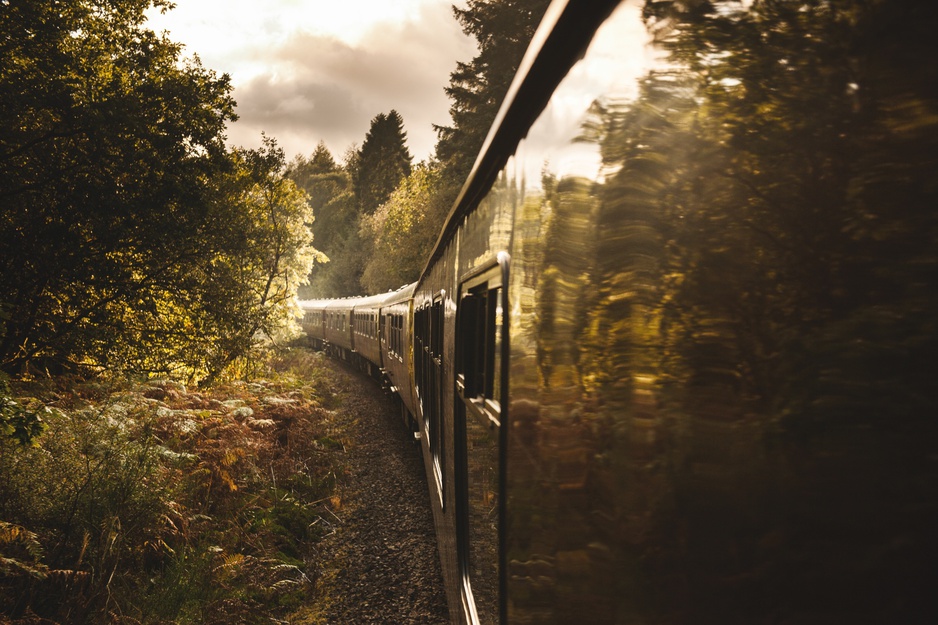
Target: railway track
x,y
381,563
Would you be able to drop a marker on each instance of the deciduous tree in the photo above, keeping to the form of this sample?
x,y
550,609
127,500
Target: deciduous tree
x,y
401,233
130,237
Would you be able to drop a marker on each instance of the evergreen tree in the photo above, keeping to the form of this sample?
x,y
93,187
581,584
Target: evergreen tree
x,y
503,29
330,196
384,161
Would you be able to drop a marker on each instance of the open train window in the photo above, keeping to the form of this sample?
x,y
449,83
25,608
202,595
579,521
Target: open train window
x,y
481,381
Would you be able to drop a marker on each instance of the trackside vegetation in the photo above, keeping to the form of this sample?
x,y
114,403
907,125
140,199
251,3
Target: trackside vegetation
x,y
131,238
151,502
144,266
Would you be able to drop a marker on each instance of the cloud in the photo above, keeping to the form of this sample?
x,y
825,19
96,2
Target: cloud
x,y
316,87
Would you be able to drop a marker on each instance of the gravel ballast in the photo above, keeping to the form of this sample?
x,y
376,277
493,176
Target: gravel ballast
x,y
381,563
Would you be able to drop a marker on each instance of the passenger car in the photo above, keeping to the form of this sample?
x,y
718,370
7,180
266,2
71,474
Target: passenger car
x,y
669,360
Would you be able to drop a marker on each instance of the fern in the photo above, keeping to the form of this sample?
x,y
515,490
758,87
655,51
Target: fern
x,y
20,552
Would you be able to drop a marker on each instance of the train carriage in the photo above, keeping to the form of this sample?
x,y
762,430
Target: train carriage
x,y
365,331
313,321
669,357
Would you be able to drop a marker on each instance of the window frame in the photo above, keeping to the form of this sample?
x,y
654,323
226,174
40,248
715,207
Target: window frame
x,y
486,411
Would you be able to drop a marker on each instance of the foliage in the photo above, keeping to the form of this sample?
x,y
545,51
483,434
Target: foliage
x,y
342,276
150,503
109,144
383,162
20,552
343,196
333,201
331,196
257,278
502,29
401,233
18,422
131,238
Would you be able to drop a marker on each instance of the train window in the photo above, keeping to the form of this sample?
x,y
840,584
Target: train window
x,y
428,377
481,345
396,322
435,426
395,331
419,341
479,366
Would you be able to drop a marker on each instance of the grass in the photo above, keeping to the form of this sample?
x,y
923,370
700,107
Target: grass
x,y
146,502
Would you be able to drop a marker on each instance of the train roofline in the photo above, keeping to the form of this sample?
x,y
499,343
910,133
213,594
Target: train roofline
x,y
561,39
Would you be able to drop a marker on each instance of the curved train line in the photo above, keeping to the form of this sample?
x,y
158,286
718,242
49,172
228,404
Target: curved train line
x,y
610,441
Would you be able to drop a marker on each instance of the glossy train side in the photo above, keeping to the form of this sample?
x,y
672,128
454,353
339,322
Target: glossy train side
x,y
669,360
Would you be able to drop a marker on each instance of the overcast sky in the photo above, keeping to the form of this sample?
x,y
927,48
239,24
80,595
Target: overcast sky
x,y
311,70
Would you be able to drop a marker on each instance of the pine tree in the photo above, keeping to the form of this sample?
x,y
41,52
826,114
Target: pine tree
x,y
503,30
384,161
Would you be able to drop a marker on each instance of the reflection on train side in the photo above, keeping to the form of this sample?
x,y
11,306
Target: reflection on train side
x,y
721,410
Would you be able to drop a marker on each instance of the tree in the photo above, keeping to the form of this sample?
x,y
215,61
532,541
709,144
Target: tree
x,y
503,29
130,237
401,233
109,143
273,256
383,161
333,201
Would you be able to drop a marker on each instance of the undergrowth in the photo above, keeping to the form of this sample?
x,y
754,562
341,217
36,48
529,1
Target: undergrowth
x,y
146,502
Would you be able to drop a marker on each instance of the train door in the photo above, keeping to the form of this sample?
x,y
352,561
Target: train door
x,y
480,436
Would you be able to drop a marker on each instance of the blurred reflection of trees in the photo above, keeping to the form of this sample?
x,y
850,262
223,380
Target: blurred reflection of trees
x,y
760,297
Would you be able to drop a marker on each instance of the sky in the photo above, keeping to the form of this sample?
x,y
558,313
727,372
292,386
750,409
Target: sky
x,y
306,71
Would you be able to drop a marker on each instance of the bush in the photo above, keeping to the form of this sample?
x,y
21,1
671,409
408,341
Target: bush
x,y
152,504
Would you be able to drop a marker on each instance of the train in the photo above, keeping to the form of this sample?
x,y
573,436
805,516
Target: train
x,y
669,360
